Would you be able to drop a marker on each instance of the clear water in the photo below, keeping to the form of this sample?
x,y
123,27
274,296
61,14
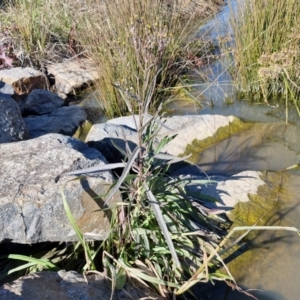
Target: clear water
x,y
270,263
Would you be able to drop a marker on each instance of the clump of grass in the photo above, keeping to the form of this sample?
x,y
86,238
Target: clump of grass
x,y
267,49
133,42
161,234
39,29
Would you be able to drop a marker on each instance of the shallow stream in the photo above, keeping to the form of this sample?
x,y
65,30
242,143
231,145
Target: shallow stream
x,y
269,261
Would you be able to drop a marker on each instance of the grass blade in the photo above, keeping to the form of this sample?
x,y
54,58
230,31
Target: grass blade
x,y
88,254
126,170
95,169
162,224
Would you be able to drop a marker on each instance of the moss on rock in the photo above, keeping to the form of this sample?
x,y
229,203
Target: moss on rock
x,y
198,146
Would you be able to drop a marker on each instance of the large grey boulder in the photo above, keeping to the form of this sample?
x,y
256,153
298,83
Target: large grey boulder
x,y
192,127
41,102
31,207
107,137
64,285
64,120
12,125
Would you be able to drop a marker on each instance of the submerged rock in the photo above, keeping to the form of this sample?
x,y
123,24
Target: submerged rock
x,y
12,125
31,207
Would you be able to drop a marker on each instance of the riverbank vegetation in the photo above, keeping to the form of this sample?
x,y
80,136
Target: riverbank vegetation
x,y
136,42
267,53
130,42
161,235
164,234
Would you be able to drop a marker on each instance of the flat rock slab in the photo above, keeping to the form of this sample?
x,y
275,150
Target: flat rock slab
x,y
64,120
24,80
31,207
64,285
72,75
12,125
186,129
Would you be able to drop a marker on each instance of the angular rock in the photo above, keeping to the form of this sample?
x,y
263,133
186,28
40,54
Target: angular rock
x,y
24,80
41,102
12,125
64,120
72,75
107,136
64,285
31,207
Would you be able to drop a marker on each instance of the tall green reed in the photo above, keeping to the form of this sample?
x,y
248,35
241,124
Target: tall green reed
x,y
266,51
132,42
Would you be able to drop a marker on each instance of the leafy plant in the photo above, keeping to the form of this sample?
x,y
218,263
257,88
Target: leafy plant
x,y
161,234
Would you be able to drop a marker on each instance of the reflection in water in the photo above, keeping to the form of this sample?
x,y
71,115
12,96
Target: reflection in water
x,y
264,146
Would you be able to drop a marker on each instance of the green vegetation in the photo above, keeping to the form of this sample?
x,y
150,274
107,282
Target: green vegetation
x,y
134,43
162,234
38,30
267,52
130,42
168,234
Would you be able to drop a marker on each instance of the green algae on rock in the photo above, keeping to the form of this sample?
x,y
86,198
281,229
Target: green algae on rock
x,y
198,146
262,209
83,131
